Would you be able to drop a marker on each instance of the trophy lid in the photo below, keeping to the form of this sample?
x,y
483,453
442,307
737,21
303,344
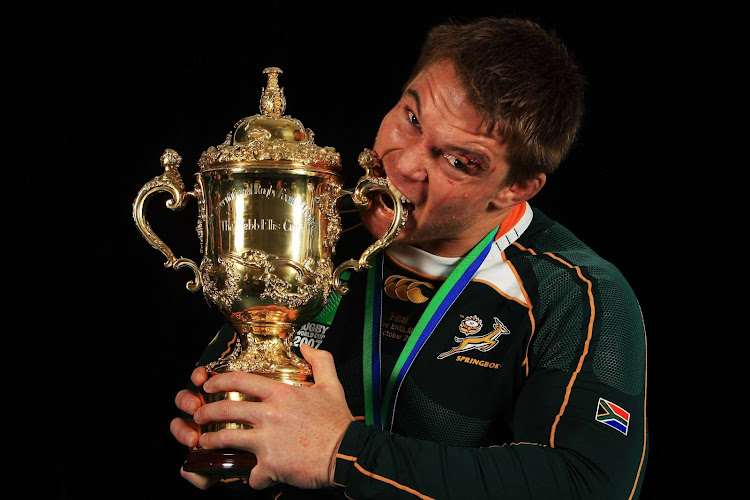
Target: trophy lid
x,y
270,136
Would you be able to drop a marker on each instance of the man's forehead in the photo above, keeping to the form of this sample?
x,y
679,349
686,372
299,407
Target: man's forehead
x,y
439,82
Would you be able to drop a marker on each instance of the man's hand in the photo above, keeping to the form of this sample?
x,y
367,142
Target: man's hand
x,y
296,430
188,432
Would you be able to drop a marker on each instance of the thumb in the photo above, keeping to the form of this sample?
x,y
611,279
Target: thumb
x,y
321,362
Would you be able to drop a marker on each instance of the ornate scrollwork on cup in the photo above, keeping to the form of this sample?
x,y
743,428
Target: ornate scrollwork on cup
x,y
264,148
221,283
312,282
225,361
327,203
201,224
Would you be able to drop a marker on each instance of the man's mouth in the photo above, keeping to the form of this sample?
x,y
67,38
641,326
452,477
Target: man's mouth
x,y
387,202
376,169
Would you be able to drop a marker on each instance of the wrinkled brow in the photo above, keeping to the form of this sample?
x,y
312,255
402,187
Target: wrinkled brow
x,y
411,92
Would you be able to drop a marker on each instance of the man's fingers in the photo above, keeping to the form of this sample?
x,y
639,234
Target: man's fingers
x,y
227,438
322,364
187,401
260,479
249,384
199,376
198,480
226,410
185,431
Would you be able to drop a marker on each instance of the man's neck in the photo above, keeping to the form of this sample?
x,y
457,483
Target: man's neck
x,y
464,243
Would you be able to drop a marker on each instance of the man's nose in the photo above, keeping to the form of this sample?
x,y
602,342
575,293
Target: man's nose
x,y
412,164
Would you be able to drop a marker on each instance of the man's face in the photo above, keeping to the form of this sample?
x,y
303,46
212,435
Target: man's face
x,y
436,152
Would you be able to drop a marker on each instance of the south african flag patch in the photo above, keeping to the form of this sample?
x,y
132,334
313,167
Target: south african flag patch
x,y
612,415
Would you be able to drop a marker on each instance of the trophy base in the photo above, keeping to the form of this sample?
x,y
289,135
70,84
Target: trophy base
x,y
227,463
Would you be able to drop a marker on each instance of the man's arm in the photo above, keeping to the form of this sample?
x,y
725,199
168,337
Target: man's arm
x,y
587,459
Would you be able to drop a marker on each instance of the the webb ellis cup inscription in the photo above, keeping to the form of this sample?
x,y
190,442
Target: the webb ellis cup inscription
x,y
268,226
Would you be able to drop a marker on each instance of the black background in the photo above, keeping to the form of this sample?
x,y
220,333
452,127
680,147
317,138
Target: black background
x,y
112,336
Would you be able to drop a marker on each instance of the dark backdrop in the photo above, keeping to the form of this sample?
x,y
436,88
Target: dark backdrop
x,y
109,88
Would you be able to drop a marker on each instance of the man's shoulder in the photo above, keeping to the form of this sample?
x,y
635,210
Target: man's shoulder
x,y
549,244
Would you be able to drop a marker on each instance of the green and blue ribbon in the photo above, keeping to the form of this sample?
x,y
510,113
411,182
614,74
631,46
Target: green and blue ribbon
x,y
379,406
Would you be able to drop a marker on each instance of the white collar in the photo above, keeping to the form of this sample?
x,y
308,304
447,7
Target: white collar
x,y
435,265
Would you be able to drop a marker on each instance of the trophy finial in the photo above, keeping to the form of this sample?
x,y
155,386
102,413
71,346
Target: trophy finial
x,y
272,101
270,135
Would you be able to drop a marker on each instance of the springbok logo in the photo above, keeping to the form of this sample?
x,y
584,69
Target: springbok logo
x,y
484,343
406,289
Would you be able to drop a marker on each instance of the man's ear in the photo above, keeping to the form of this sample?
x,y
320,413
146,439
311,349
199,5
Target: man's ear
x,y
519,192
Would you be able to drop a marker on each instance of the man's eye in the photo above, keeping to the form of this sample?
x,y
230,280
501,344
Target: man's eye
x,y
455,162
413,118
469,166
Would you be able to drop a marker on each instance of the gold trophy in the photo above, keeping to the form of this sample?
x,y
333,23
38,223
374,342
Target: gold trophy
x,y
268,225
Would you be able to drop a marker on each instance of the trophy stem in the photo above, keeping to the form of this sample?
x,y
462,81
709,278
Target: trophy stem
x,y
265,348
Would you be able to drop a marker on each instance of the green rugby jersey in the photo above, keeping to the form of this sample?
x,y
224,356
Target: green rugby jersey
x,y
532,384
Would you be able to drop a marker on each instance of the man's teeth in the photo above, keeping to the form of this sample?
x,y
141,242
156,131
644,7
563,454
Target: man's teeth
x,y
398,194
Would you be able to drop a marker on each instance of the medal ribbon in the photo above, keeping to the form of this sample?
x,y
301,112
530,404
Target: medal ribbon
x,y
379,411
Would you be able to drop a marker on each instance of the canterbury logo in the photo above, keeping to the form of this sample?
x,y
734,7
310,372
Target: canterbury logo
x,y
482,342
406,289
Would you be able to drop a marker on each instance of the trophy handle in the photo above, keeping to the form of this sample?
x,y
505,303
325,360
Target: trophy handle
x,y
171,182
368,160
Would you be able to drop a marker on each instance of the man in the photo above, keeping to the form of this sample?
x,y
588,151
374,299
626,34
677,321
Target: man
x,y
507,359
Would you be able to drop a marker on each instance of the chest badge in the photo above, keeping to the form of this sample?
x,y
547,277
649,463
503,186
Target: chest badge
x,y
471,326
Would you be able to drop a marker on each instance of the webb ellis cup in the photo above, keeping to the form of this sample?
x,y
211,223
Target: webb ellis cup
x,y
268,209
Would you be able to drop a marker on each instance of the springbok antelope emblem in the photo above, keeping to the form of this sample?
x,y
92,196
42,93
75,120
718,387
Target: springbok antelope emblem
x,y
471,325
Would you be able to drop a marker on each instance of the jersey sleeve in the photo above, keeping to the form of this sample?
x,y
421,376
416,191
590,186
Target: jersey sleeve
x,y
579,423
